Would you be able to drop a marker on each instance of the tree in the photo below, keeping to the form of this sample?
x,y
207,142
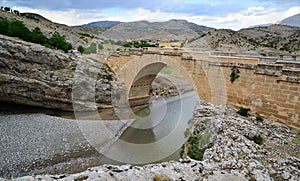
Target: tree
x,y
81,49
37,36
4,26
59,42
16,28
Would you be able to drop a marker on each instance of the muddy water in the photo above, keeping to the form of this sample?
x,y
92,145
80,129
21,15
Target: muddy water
x,y
157,134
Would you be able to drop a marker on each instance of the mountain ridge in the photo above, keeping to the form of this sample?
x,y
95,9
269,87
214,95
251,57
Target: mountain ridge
x,y
103,24
292,20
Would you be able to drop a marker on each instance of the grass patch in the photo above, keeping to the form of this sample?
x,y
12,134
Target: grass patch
x,y
196,146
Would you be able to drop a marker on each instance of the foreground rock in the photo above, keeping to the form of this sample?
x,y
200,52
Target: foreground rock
x,y
229,154
34,75
230,149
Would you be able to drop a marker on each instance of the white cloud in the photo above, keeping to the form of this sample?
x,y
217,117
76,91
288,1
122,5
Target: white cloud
x,y
71,17
252,16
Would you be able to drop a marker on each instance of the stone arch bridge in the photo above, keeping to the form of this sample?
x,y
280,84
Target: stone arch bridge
x,y
268,86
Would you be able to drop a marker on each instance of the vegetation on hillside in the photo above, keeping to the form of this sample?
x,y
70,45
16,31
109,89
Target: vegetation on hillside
x,y
140,44
278,37
16,28
92,48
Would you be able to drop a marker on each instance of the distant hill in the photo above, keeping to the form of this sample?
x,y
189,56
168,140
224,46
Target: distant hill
x,y
260,25
103,24
223,40
193,26
279,37
265,38
172,30
292,21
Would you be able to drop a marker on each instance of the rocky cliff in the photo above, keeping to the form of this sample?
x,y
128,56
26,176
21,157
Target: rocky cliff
x,y
34,75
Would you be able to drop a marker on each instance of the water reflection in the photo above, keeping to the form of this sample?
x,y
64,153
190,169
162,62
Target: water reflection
x,y
151,137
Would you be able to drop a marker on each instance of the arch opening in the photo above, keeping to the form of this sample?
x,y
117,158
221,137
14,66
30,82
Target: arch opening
x,y
139,93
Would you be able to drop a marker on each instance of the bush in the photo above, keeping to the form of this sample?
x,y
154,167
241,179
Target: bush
x,y
16,28
37,36
259,118
81,49
243,112
4,26
257,139
196,146
100,46
235,73
91,49
59,42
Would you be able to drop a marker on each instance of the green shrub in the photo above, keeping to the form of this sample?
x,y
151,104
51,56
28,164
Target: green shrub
x,y
16,28
196,146
4,26
257,139
259,118
58,41
243,112
81,49
91,49
38,37
235,73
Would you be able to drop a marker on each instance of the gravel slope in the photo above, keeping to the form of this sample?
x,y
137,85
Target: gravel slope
x,y
38,143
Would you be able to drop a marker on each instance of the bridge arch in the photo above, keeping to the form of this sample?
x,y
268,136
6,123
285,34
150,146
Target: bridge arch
x,y
137,72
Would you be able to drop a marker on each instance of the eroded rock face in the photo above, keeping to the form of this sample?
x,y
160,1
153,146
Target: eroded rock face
x,y
34,75
231,151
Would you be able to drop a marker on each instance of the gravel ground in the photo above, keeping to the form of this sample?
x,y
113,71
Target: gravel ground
x,y
37,143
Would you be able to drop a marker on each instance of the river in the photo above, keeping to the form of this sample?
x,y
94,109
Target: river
x,y
157,133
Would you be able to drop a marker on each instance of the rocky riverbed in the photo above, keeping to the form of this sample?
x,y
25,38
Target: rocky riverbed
x,y
230,152
40,144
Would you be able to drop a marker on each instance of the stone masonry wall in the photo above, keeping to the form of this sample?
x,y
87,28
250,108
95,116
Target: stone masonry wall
x,y
272,90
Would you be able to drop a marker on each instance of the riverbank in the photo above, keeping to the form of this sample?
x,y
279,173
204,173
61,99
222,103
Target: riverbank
x,y
40,144
230,154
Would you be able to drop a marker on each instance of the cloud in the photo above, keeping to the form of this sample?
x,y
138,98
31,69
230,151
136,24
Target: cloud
x,y
243,19
193,7
89,4
281,2
72,16
215,13
252,16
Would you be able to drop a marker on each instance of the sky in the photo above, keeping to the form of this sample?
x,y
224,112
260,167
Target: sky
x,y
232,14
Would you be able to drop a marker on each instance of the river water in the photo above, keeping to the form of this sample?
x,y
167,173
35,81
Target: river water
x,y
157,133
